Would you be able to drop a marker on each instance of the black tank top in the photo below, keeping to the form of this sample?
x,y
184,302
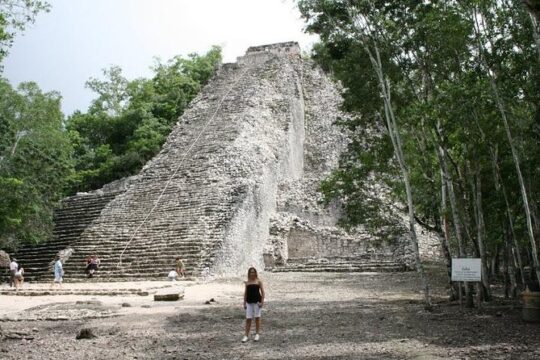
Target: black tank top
x,y
253,295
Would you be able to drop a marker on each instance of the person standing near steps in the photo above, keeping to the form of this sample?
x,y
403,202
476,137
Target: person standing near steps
x,y
180,267
58,272
253,302
13,267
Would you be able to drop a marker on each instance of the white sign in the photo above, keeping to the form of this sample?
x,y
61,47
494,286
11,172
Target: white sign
x,y
466,270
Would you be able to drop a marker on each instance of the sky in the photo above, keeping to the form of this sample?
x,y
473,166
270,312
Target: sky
x,y
78,38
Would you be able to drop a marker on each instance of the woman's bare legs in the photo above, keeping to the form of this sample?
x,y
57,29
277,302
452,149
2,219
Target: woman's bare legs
x,y
248,326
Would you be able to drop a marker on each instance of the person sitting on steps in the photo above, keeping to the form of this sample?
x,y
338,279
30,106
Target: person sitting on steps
x,y
92,264
87,264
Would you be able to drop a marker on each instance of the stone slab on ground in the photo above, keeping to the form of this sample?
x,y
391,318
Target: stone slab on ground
x,y
172,294
63,311
109,292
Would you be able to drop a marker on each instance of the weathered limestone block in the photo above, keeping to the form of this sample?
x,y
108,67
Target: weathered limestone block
x,y
167,297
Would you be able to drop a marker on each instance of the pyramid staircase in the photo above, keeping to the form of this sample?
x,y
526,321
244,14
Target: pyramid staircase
x,y
71,219
340,264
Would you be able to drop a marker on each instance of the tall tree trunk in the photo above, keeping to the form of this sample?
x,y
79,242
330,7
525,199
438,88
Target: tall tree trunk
x,y
499,186
18,138
535,216
393,131
508,258
455,212
512,234
445,239
515,156
495,262
534,12
466,201
481,237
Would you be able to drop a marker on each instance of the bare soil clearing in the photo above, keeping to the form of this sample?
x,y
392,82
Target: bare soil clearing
x,y
307,316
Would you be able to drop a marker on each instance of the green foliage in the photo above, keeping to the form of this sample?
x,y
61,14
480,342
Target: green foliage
x,y
128,122
43,158
35,162
15,15
443,98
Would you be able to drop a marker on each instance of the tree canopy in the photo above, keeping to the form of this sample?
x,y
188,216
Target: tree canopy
x,y
128,121
463,80
15,16
35,162
44,156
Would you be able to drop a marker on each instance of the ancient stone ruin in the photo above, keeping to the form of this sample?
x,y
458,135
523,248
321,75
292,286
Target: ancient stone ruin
x,y
235,185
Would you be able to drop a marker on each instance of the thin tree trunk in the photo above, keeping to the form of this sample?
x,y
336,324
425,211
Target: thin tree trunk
x,y
496,261
534,13
515,156
514,238
481,237
535,216
463,211
506,278
18,137
517,261
509,264
499,185
393,131
455,213
445,239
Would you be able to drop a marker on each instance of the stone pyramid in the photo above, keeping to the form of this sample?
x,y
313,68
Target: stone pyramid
x,y
235,185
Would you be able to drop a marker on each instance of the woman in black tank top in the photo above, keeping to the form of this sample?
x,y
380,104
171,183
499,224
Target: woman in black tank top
x,y
253,302
253,293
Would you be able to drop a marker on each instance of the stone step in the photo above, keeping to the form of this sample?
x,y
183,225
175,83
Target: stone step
x,y
81,209
30,268
374,262
397,268
111,276
71,219
75,222
341,266
59,292
112,246
79,262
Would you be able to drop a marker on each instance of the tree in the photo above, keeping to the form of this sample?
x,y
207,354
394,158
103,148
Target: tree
x,y
15,16
458,158
128,121
35,163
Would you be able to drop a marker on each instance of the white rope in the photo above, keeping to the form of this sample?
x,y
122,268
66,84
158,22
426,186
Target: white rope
x,y
180,165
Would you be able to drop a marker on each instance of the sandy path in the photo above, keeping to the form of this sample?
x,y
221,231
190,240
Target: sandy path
x,y
307,316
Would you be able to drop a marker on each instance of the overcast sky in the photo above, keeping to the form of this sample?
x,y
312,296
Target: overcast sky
x,y
80,37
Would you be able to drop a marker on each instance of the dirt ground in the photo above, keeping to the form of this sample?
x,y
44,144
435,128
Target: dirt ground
x,y
306,316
